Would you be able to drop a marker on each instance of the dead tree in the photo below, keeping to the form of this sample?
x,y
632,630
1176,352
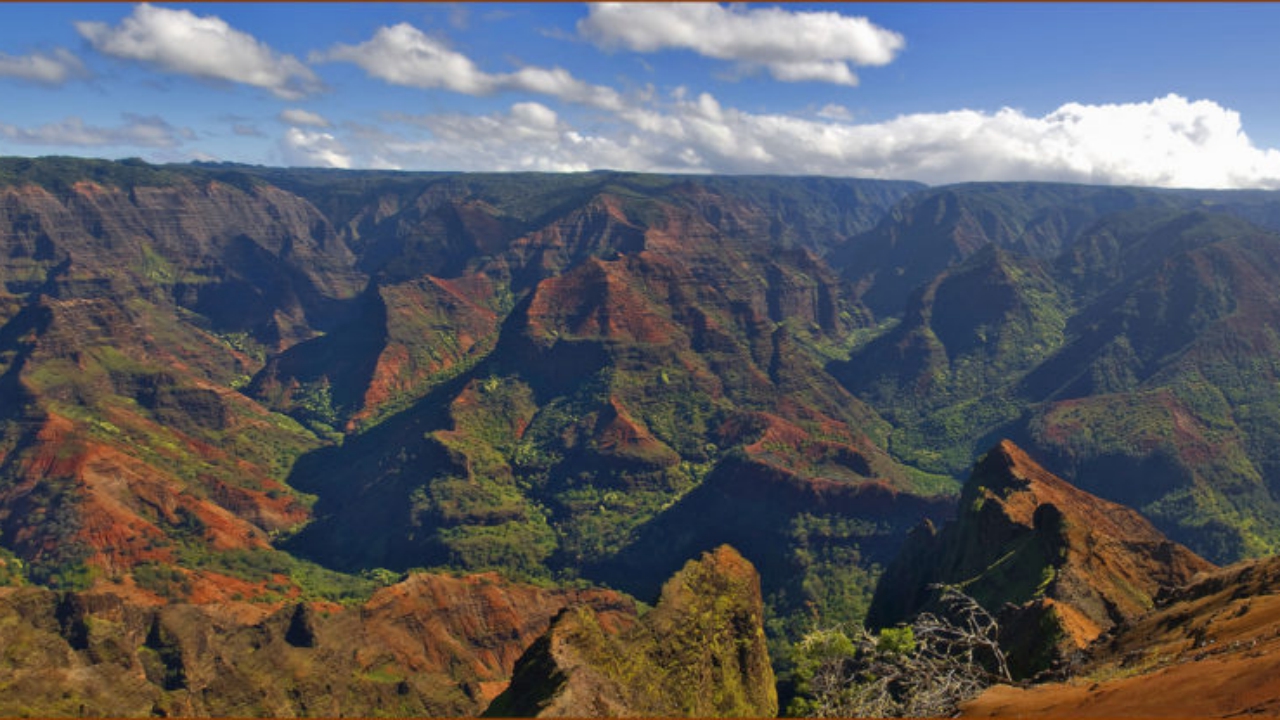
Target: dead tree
x,y
924,670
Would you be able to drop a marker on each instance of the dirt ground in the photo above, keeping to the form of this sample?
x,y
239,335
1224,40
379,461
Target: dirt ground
x,y
1212,652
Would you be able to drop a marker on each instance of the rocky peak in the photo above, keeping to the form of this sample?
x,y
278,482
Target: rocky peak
x,y
1061,566
700,652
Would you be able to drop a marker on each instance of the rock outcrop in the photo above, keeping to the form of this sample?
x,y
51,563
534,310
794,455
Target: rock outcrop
x,y
431,645
700,652
1059,565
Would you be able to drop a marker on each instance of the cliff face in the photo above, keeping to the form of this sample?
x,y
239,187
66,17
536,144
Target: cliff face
x,y
431,645
136,302
700,652
121,441
252,257
1071,565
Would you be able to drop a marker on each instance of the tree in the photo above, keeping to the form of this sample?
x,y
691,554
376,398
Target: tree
x,y
923,670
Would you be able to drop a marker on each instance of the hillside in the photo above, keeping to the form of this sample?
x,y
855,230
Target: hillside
x,y
1211,649
934,230
428,645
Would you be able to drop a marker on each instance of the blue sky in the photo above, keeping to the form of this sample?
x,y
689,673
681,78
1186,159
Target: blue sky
x,y
1155,94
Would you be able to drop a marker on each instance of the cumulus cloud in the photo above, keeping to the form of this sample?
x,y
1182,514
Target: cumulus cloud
x,y
308,148
1169,141
47,68
793,46
207,47
298,116
137,131
404,55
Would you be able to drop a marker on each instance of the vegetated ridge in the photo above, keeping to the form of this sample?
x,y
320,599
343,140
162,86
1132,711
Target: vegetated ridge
x,y
700,652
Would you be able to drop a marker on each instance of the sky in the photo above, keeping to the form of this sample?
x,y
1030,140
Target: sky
x,y
1174,95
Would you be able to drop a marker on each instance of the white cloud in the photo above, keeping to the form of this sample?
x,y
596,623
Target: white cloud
x,y
530,136
51,68
137,131
404,55
306,148
560,84
1169,141
833,72
793,46
832,111
298,116
207,47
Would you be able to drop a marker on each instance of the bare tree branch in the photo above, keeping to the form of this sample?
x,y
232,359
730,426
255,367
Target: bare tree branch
x,y
924,670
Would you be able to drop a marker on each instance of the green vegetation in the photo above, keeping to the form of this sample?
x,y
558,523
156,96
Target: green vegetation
x,y
976,330
836,583
243,342
56,174
698,652
163,580
313,403
12,569
896,641
278,571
